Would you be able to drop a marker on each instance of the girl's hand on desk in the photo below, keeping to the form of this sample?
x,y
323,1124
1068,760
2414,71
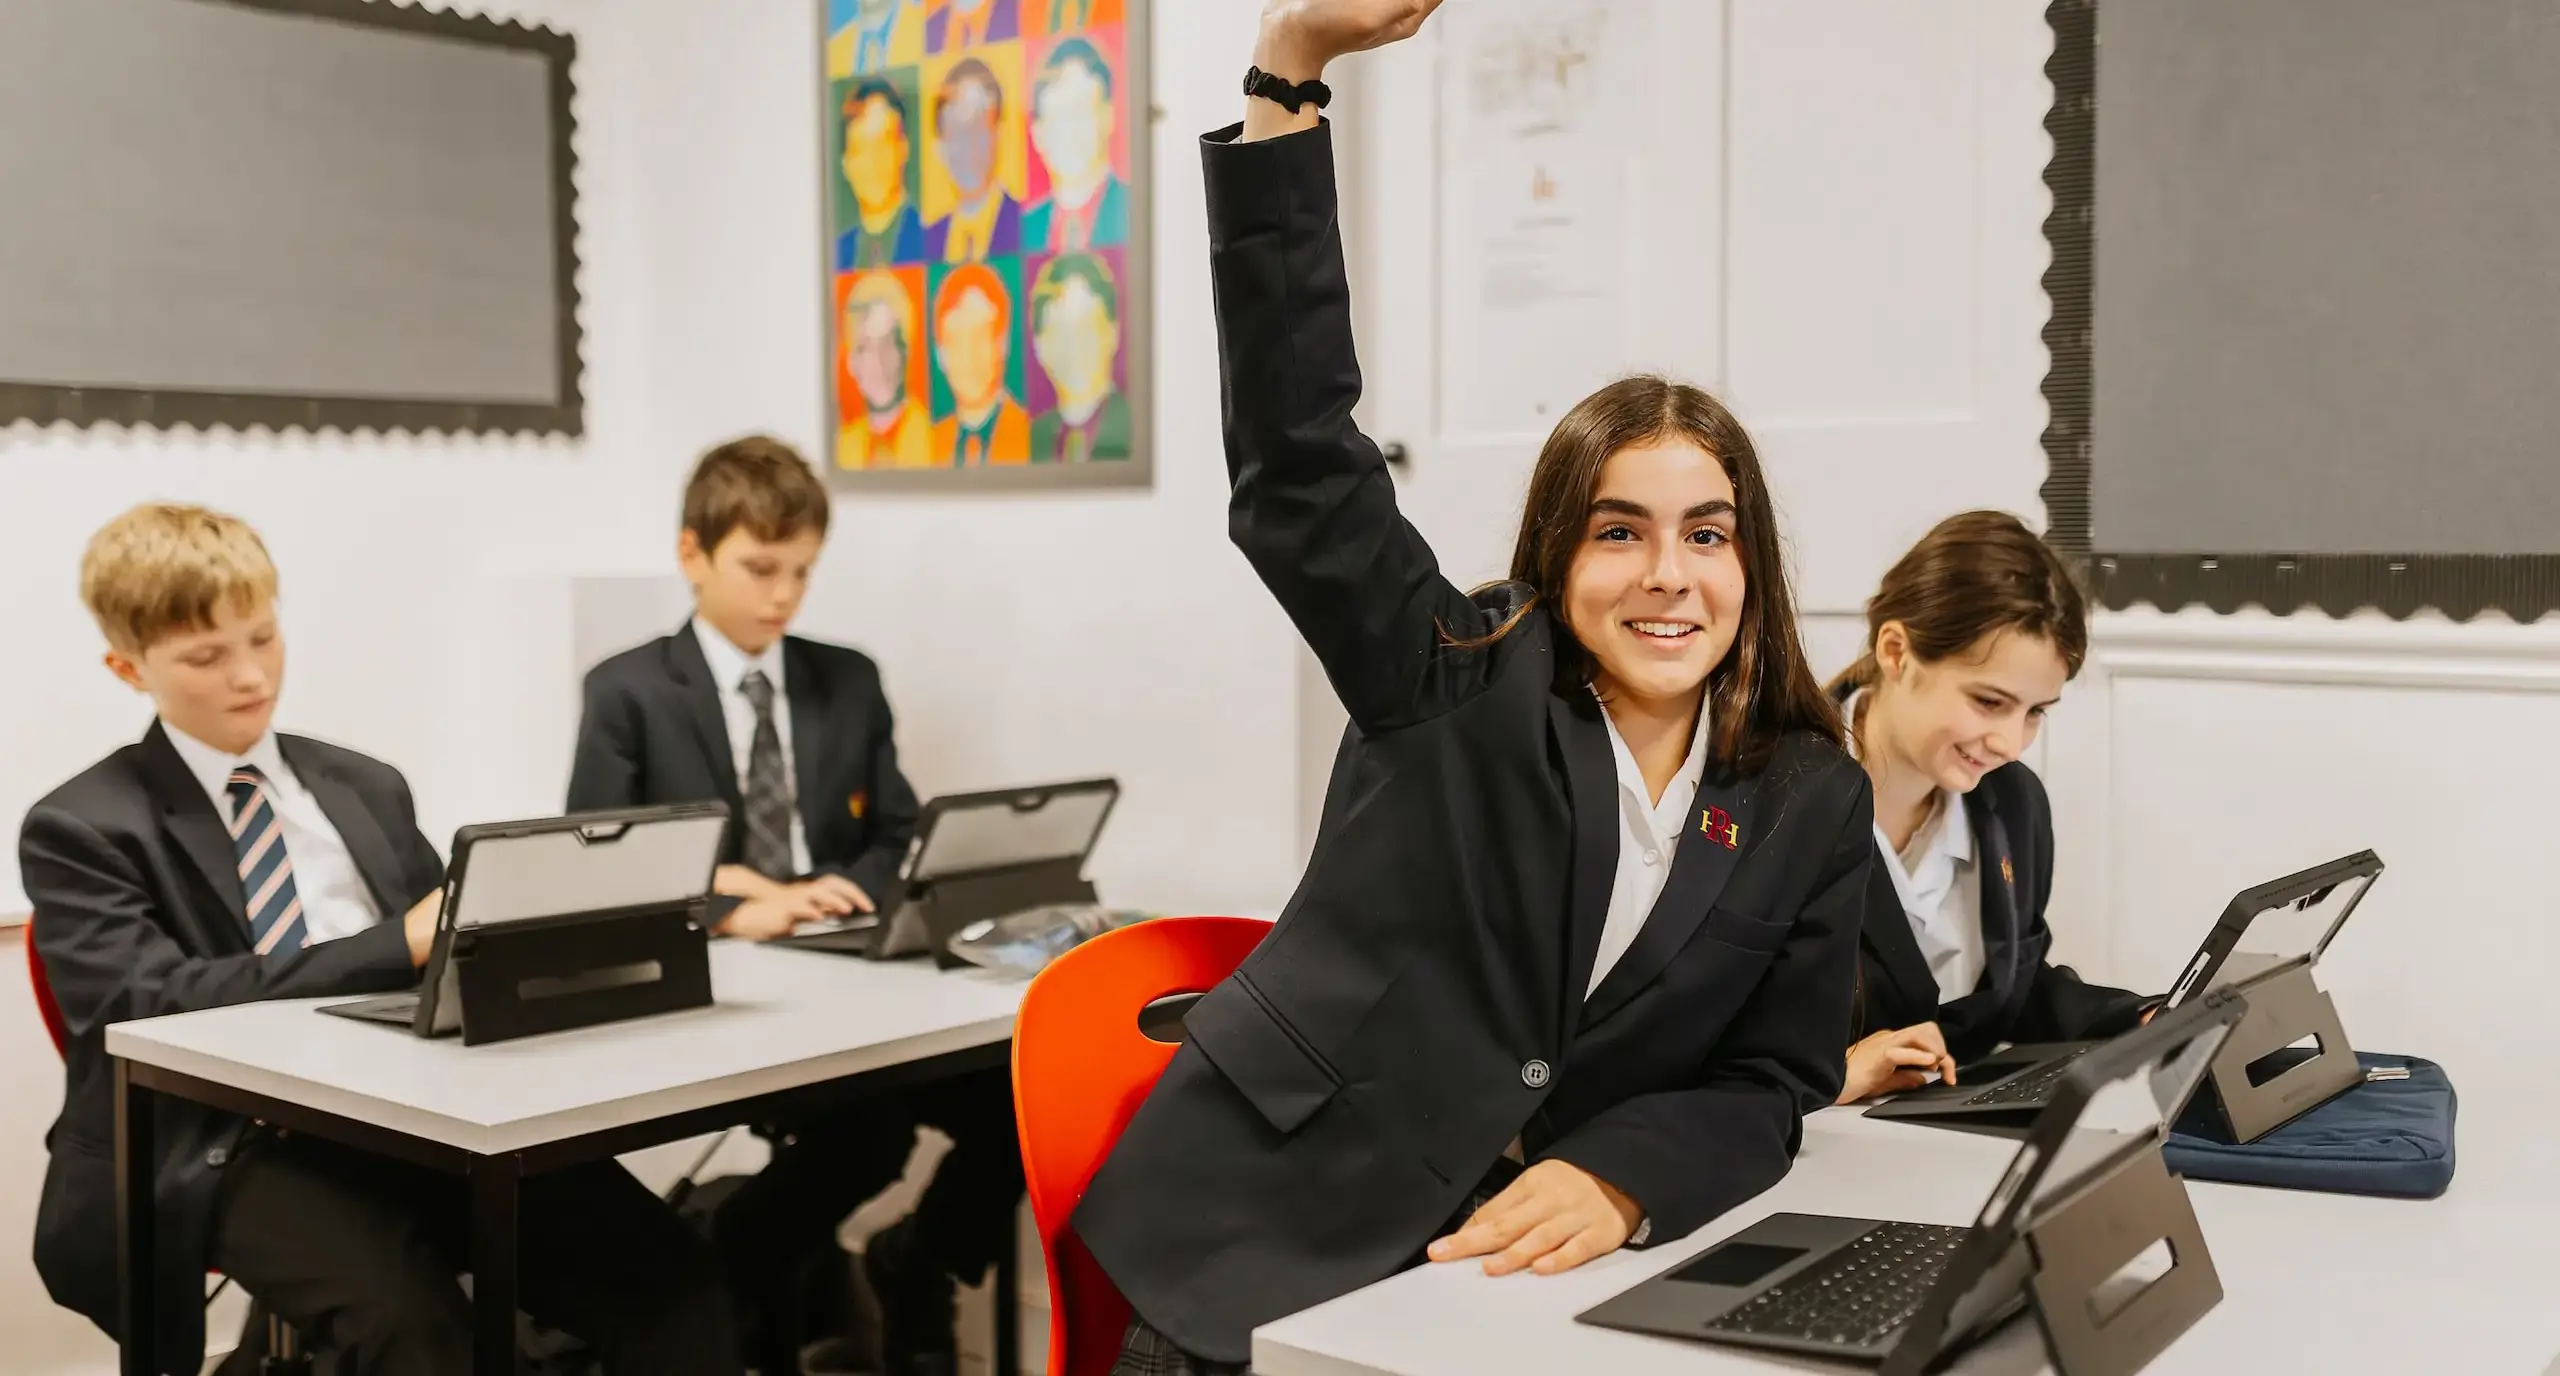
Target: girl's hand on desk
x,y
1555,1217
837,894
1896,1060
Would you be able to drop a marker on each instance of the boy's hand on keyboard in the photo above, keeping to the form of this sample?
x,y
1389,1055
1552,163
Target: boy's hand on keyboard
x,y
1553,1218
838,894
763,919
420,927
1895,1060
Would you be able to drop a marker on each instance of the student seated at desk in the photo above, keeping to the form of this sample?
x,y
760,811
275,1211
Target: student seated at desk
x,y
217,862
1571,957
1969,641
795,735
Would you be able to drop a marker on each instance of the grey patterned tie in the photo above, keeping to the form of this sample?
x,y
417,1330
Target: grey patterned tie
x,y
768,787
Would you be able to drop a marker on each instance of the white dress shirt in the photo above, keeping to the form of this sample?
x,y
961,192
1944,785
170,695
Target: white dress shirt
x,y
1941,894
1648,836
729,666
335,901
1935,879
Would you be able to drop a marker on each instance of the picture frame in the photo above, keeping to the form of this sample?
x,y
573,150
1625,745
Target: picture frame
x,y
986,261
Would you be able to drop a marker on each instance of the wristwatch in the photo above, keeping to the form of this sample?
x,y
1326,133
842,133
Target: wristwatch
x,y
1287,95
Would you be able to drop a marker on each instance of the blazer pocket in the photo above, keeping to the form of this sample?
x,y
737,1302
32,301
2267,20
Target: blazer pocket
x,y
1757,935
1260,1054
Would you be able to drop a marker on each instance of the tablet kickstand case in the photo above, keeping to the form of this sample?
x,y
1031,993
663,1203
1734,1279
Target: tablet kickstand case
x,y
574,921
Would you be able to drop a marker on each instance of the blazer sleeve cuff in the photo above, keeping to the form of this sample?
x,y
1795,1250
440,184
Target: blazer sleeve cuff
x,y
1264,186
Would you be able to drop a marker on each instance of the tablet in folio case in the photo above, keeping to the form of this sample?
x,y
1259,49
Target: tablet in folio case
x,y
566,922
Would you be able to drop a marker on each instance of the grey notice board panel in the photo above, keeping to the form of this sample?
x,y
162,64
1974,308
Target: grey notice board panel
x,y
2306,302
318,213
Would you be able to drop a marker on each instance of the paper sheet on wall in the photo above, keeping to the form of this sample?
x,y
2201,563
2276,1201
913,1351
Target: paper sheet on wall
x,y
1538,106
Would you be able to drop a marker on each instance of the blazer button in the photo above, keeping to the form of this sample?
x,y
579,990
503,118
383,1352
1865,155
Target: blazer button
x,y
1534,1074
218,1157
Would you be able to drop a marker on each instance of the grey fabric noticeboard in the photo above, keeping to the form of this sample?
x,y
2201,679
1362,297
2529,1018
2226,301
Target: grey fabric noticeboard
x,y
2307,302
285,212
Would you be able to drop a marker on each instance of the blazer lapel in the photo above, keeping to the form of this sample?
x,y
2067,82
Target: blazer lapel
x,y
1591,783
366,844
2000,930
1887,931
812,734
1711,846
702,702
190,819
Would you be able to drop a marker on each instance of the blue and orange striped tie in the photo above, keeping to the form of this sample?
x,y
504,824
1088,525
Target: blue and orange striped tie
x,y
266,872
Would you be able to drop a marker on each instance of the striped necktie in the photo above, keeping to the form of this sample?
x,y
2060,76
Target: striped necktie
x,y
266,872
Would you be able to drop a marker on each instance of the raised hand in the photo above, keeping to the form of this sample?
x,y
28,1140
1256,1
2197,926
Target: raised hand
x,y
1306,34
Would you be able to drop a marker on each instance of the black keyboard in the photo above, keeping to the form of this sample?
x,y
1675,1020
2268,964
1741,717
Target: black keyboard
x,y
2032,1087
1857,1296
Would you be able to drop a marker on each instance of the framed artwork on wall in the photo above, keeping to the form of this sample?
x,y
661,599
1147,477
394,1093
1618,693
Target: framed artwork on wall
x,y
987,266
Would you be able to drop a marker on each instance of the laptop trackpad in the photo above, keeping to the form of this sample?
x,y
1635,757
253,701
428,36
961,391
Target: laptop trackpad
x,y
1736,1264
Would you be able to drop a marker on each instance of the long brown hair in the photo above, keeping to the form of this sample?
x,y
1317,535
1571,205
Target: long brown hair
x,y
1973,575
1763,687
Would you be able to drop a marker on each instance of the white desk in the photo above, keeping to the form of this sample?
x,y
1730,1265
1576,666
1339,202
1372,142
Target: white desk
x,y
785,1022
2314,1285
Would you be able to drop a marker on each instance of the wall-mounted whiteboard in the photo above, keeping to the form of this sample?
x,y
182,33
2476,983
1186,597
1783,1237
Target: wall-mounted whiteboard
x,y
285,212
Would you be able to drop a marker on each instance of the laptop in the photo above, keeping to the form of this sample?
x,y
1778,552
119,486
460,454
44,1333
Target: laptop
x,y
2278,926
974,856
615,873
1908,1296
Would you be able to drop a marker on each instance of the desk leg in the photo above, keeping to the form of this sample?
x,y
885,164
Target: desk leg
x,y
135,1268
494,1184
1008,1297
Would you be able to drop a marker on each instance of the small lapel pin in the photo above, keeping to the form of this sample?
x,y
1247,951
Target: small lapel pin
x,y
2008,876
1720,825
858,804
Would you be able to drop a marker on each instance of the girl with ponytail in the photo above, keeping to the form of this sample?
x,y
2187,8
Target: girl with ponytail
x,y
1969,640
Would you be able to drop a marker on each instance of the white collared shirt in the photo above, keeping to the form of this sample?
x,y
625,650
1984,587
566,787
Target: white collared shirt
x,y
335,901
1648,837
729,666
1941,894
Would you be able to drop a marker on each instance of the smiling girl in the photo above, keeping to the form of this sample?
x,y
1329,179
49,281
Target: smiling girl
x,y
1575,948
1970,639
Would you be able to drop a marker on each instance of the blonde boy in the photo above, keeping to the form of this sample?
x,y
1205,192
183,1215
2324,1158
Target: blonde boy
x,y
216,862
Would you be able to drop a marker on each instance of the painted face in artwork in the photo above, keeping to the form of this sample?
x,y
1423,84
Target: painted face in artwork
x,y
1071,126
969,343
966,132
1076,335
876,352
875,157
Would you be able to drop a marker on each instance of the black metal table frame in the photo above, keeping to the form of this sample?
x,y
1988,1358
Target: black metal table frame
x,y
493,1181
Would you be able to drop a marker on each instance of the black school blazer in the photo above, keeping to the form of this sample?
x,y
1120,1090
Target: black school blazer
x,y
1421,1001
2022,997
652,733
138,912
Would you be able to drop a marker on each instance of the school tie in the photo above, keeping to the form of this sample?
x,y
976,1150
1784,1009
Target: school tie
x,y
768,791
266,872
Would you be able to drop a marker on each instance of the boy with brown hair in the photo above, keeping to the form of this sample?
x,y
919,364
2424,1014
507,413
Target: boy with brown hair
x,y
217,862
795,735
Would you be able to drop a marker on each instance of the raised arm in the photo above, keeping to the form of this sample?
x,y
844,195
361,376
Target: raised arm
x,y
1313,508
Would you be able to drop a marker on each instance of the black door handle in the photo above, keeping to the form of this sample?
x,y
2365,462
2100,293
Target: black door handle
x,y
1395,454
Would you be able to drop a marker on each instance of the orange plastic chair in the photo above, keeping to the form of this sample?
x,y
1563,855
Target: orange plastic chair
x,y
1081,1067
46,1008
